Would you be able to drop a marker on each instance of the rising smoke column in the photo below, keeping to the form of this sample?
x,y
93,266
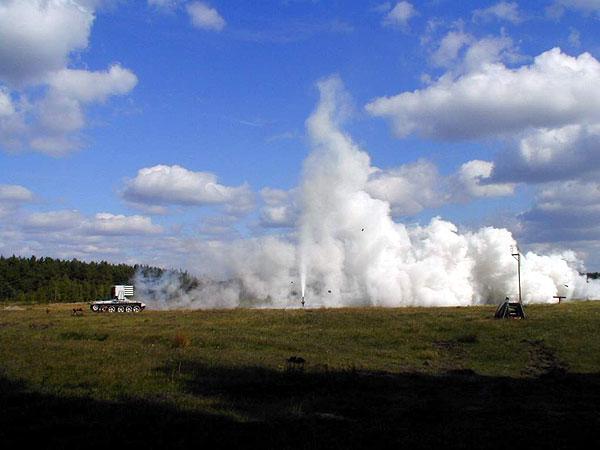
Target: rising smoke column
x,y
352,252
349,251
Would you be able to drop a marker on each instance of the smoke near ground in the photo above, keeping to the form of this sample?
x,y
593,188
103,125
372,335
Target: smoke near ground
x,y
348,251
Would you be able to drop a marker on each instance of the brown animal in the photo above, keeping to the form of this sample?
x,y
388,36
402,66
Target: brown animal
x,y
77,312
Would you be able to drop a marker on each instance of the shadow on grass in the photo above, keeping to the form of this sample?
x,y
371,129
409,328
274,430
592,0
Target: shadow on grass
x,y
325,409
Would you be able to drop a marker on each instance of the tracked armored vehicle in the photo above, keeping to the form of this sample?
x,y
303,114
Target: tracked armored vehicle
x,y
120,301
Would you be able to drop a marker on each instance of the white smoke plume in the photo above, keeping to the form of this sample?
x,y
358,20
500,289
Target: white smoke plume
x,y
349,251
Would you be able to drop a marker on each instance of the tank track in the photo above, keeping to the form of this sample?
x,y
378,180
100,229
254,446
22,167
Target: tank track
x,y
132,307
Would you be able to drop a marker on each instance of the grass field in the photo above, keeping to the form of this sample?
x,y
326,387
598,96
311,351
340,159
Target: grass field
x,y
414,377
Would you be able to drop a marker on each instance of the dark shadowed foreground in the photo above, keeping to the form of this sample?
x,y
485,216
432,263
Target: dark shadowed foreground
x,y
352,378
347,409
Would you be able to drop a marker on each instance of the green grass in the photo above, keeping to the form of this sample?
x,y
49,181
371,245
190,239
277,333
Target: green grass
x,y
231,365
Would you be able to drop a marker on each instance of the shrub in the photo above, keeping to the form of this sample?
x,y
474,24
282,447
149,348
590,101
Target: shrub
x,y
181,341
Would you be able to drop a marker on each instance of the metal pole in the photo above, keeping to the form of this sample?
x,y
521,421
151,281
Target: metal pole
x,y
519,269
517,256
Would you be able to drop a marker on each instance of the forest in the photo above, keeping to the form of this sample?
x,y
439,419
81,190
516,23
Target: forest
x,y
49,280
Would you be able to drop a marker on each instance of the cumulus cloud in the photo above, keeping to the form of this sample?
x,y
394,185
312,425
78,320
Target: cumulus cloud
x,y
53,220
88,86
550,154
14,193
472,180
71,234
205,17
489,50
280,209
414,187
564,212
507,11
6,106
12,196
37,36
220,226
462,52
51,123
448,50
400,15
121,225
176,185
41,100
409,188
102,224
493,99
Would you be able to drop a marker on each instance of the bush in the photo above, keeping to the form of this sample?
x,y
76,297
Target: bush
x,y
181,341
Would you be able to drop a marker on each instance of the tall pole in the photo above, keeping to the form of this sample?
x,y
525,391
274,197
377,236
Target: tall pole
x,y
517,256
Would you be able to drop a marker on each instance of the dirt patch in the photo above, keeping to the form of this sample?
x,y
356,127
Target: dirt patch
x,y
543,360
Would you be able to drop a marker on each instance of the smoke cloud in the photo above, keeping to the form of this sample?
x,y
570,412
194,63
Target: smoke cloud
x,y
348,251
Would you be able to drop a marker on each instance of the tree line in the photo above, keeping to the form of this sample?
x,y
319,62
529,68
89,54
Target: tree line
x,y
49,280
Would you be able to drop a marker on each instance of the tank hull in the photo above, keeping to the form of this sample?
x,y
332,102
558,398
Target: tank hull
x,y
120,306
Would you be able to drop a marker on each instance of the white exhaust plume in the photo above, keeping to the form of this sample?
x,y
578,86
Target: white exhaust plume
x,y
350,252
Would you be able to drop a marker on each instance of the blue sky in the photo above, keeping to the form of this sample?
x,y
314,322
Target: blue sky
x,y
223,89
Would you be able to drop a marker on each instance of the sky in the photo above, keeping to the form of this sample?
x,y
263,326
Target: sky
x,y
140,131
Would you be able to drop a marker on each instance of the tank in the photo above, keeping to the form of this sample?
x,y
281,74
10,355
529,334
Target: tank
x,y
120,301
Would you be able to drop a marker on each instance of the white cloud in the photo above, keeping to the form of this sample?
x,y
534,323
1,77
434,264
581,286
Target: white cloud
x,y
164,4
409,188
6,106
120,225
12,196
53,221
548,154
565,211
414,187
508,11
555,90
461,52
57,117
102,224
450,46
219,226
41,100
548,111
400,15
558,8
281,208
175,185
471,181
15,194
489,50
87,86
37,36
205,17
